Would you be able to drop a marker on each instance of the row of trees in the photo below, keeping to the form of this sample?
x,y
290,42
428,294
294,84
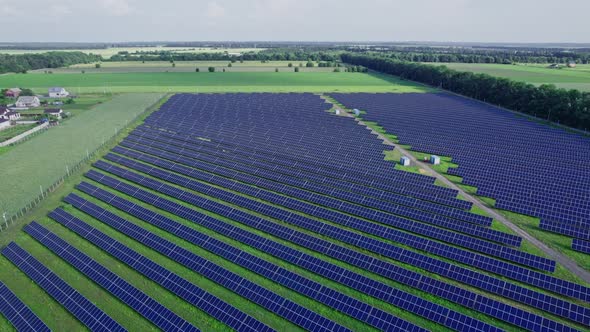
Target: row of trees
x,y
481,55
21,63
568,107
267,55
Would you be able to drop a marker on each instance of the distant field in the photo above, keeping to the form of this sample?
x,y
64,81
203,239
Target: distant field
x,y
570,78
42,160
213,82
183,66
108,52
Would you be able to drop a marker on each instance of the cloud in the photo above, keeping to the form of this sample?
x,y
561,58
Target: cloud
x,y
116,7
214,10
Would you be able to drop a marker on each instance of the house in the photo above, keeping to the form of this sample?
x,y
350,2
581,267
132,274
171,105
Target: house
x,y
4,124
13,93
57,112
12,116
571,64
27,101
58,92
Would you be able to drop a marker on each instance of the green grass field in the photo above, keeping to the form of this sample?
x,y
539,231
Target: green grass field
x,y
183,67
570,78
213,82
43,159
109,52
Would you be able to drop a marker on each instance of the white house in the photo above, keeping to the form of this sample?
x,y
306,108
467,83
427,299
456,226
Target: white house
x,y
27,101
57,112
58,92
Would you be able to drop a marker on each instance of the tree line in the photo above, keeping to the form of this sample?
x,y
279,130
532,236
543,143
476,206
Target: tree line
x,y
21,63
476,55
568,107
267,55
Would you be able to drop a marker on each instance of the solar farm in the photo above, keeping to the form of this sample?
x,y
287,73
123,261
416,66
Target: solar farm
x,y
274,212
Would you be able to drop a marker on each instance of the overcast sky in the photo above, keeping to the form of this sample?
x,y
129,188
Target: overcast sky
x,y
301,20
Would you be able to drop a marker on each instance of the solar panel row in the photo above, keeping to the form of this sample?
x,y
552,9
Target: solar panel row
x,y
86,312
149,308
17,313
384,218
466,298
396,188
346,304
581,246
404,194
478,245
183,288
517,273
277,304
473,134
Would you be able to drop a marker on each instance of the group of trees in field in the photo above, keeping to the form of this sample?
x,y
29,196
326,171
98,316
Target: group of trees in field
x,y
568,107
481,55
21,63
266,55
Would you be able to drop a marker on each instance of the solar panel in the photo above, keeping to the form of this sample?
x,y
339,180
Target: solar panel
x,y
473,134
86,312
17,313
581,246
353,280
281,306
183,288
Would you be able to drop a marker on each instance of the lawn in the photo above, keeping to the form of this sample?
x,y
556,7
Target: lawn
x,y
39,162
571,78
213,82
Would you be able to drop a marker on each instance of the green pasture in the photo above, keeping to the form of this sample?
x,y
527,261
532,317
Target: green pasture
x,y
213,82
570,78
39,162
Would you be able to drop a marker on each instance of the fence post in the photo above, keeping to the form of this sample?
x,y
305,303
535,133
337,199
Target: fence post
x,y
5,221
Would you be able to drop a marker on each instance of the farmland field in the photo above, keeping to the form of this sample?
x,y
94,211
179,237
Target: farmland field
x,y
183,66
570,78
42,160
213,82
108,52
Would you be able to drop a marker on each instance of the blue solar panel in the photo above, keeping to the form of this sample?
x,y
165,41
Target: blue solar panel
x,y
184,289
474,134
581,246
89,314
149,308
17,313
358,282
279,305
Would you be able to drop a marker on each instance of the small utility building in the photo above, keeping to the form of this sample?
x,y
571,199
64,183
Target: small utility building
x,y
58,92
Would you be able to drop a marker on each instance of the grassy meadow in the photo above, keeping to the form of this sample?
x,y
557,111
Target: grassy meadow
x,y
212,82
569,78
42,160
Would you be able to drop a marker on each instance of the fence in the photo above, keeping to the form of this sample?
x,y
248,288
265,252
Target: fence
x,y
22,137
70,170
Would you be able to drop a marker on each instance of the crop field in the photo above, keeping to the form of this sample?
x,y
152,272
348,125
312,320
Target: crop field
x,y
183,66
39,162
109,52
569,78
276,216
213,82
